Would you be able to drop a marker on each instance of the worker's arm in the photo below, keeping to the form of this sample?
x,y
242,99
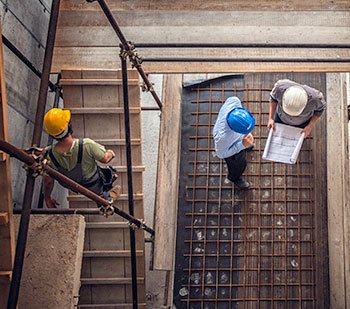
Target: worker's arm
x,y
308,128
109,155
48,187
271,123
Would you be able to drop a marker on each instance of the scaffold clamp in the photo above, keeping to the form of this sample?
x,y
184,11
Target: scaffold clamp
x,y
107,210
40,162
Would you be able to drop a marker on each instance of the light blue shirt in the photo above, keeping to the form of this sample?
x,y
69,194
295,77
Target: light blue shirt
x,y
227,142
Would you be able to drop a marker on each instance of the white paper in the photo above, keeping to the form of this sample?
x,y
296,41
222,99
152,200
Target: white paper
x,y
283,144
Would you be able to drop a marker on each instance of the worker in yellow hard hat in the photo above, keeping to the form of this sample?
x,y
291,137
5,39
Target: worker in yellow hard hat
x,y
296,105
76,159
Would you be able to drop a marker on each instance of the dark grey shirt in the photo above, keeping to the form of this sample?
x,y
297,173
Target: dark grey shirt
x,y
316,104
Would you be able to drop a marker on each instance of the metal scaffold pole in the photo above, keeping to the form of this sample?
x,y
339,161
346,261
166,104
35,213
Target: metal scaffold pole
x,y
129,170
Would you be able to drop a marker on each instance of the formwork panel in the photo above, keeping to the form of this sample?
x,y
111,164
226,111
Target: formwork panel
x,y
236,249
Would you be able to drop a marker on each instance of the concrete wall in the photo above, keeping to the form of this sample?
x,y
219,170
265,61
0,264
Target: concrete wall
x,y
51,269
24,24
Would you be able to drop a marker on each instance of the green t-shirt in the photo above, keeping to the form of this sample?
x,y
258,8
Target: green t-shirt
x,y
92,152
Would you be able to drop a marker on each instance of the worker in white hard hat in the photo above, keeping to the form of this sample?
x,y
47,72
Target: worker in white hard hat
x,y
295,105
76,159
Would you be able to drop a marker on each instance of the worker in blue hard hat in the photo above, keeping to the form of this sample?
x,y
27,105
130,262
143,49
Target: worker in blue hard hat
x,y
232,138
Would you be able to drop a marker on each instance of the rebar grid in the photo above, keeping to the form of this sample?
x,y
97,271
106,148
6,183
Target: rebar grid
x,y
247,249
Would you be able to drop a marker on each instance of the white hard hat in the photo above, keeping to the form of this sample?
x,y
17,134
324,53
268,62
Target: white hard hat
x,y
294,100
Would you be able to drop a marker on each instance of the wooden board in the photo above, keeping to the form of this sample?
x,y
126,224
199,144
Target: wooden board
x,y
7,239
85,39
97,113
167,174
338,191
240,5
104,57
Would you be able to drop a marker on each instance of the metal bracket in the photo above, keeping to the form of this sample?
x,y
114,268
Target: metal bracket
x,y
40,162
145,88
130,52
107,210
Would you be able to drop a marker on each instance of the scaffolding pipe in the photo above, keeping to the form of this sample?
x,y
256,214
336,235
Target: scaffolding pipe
x,y
127,48
29,188
238,45
25,60
29,160
130,185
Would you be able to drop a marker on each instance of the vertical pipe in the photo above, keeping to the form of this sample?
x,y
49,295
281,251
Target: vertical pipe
x,y
130,188
50,141
29,188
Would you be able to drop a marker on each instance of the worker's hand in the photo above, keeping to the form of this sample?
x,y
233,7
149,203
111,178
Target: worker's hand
x,y
248,140
307,131
271,124
51,202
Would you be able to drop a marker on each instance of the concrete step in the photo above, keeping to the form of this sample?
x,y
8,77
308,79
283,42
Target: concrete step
x,y
110,253
99,281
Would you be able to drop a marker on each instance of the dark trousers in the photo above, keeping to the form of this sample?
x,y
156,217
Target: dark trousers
x,y
303,125
236,165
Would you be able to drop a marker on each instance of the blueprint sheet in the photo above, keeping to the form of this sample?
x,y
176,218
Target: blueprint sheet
x,y
283,144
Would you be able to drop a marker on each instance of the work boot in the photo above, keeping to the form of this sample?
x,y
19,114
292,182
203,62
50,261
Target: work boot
x,y
242,184
115,192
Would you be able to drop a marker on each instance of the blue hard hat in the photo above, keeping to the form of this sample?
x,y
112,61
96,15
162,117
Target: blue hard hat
x,y
240,120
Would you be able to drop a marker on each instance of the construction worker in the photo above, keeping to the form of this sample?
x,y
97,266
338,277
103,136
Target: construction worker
x,y
75,158
232,137
295,105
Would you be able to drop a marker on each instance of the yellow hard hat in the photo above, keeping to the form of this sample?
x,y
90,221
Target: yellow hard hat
x,y
56,122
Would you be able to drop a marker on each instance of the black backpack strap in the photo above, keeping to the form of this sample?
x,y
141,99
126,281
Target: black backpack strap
x,y
80,150
53,159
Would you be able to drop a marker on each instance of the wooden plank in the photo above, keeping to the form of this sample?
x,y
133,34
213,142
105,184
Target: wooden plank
x,y
7,239
111,253
81,198
90,36
5,277
105,57
91,281
216,5
149,18
116,141
4,218
114,306
95,82
106,225
167,174
338,191
102,110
